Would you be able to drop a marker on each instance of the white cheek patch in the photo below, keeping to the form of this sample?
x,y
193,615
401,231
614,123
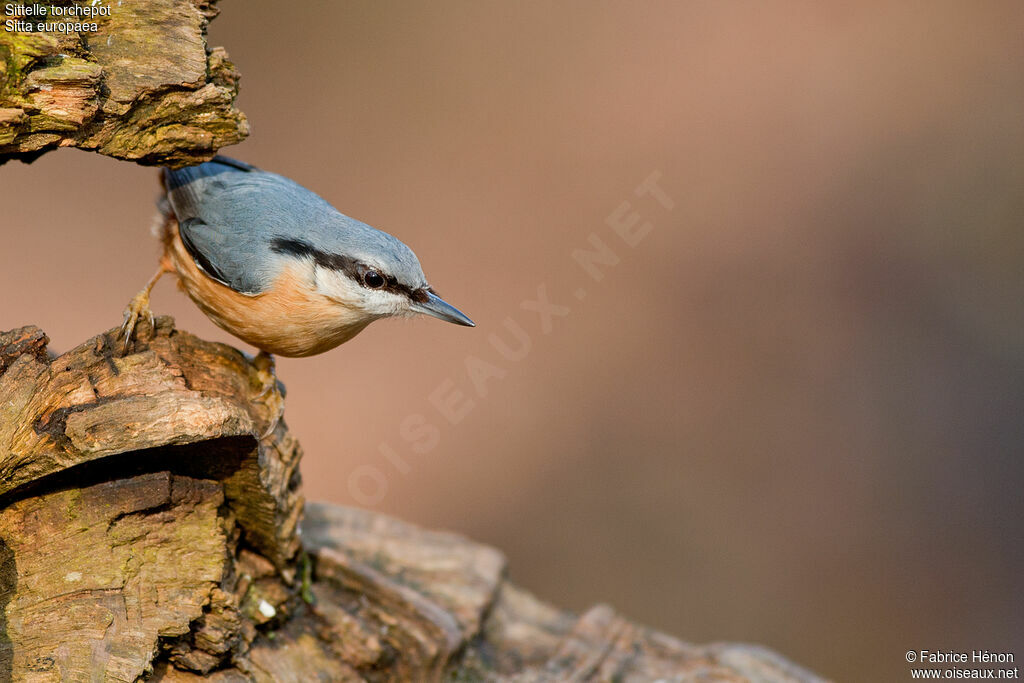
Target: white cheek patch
x,y
337,286
340,288
380,302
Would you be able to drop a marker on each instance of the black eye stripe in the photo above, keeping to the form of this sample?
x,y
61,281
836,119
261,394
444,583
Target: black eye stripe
x,y
345,264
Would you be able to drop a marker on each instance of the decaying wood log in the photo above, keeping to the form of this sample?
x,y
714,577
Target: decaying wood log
x,y
142,86
150,507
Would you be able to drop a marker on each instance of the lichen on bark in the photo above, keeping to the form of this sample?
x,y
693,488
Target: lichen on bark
x,y
143,87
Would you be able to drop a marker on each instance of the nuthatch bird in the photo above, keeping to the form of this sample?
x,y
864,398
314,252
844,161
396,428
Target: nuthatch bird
x,y
277,266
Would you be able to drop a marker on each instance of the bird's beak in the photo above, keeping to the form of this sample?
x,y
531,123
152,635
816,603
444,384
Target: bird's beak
x,y
439,308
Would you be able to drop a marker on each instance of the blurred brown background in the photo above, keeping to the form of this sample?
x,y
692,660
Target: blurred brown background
x,y
792,414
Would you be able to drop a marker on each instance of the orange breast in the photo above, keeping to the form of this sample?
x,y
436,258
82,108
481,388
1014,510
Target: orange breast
x,y
290,319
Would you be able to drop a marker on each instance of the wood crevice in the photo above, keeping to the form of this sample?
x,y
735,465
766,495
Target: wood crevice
x,y
173,550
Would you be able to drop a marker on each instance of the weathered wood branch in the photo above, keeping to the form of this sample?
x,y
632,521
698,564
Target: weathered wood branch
x,y
143,86
150,508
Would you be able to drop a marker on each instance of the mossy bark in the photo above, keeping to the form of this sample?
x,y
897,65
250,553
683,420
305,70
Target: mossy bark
x,y
143,87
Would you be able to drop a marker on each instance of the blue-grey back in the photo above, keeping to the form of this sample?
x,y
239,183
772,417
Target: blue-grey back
x,y
230,214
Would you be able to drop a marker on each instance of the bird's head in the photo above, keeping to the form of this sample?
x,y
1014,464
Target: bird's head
x,y
376,276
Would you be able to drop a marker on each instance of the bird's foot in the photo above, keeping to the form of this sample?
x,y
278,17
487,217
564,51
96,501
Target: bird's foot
x,y
266,371
272,393
137,308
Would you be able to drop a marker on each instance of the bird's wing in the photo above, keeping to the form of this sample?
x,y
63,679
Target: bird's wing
x,y
228,214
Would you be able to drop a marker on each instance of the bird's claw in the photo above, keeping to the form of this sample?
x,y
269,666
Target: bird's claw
x,y
138,307
273,400
270,394
267,388
273,423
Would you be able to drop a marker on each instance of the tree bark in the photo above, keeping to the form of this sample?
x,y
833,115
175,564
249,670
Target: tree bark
x,y
150,503
149,530
143,86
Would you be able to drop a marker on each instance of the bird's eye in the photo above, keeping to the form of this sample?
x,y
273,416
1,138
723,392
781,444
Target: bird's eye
x,y
373,279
